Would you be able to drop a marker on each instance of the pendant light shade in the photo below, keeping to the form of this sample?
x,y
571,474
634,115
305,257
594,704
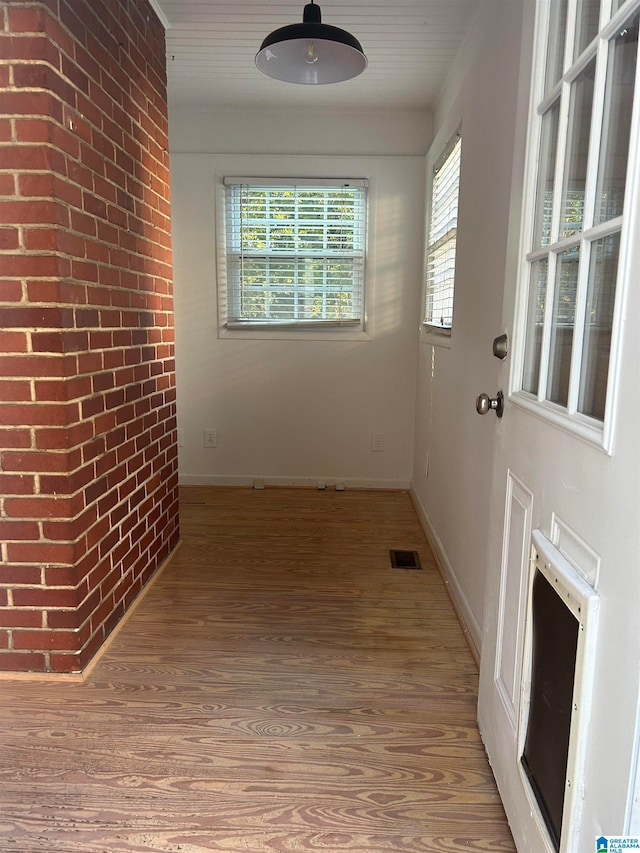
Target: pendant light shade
x,y
311,52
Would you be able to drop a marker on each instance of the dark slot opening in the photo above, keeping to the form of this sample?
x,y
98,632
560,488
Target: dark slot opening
x,y
405,560
553,664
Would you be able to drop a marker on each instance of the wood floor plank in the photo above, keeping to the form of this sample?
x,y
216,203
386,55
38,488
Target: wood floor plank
x,y
280,688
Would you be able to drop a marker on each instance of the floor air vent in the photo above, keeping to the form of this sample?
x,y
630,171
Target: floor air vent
x,y
405,560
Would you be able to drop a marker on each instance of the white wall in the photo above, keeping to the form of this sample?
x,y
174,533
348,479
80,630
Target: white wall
x,y
297,411
394,133
453,498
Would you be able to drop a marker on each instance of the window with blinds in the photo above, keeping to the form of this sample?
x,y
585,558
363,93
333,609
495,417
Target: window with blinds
x,y
295,252
441,240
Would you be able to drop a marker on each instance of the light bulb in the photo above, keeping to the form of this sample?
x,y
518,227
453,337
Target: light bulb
x,y
311,53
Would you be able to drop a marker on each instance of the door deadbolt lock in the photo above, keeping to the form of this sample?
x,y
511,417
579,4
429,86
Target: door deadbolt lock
x,y
485,404
501,347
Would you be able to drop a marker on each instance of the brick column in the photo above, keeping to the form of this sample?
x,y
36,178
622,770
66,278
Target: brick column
x,y
88,461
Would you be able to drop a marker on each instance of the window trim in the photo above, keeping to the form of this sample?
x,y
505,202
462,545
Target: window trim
x,y
304,329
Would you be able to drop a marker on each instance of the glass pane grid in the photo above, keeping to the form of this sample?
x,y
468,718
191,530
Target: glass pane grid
x,y
578,214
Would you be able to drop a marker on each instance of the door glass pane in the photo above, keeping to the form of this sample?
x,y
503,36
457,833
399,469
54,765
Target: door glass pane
x,y
535,321
588,14
555,45
572,214
562,325
603,273
563,363
616,123
546,173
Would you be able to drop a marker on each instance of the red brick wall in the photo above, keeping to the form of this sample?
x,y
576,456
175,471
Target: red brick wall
x,y
88,460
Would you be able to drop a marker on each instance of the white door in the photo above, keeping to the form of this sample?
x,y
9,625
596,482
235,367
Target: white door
x,y
567,454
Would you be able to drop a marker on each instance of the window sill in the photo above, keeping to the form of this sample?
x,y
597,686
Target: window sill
x,y
436,337
290,333
579,426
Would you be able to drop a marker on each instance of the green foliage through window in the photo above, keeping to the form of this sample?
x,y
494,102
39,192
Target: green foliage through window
x,y
295,253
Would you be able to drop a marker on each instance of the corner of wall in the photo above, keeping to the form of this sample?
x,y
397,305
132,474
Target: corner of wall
x,y
88,443
470,627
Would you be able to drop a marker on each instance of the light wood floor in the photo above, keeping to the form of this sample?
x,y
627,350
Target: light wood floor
x,y
280,688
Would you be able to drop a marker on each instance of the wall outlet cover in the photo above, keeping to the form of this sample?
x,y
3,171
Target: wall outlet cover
x,y
210,437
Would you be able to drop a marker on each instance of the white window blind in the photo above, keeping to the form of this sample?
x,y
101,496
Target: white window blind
x,y
295,252
441,240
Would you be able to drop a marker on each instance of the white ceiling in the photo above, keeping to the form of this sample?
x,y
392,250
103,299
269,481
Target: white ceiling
x,y
410,44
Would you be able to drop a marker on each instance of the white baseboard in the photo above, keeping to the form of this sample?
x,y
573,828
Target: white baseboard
x,y
295,482
213,480
470,624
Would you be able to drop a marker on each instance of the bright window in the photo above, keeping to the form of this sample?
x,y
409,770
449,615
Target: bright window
x,y
295,252
441,240
584,108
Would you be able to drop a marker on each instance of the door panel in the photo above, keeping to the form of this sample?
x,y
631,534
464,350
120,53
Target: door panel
x,y
513,584
567,456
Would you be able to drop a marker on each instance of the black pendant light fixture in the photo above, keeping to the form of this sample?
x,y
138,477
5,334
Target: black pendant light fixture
x,y
311,52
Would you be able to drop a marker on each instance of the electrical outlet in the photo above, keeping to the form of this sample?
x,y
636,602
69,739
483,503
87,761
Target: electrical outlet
x,y
210,437
377,442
